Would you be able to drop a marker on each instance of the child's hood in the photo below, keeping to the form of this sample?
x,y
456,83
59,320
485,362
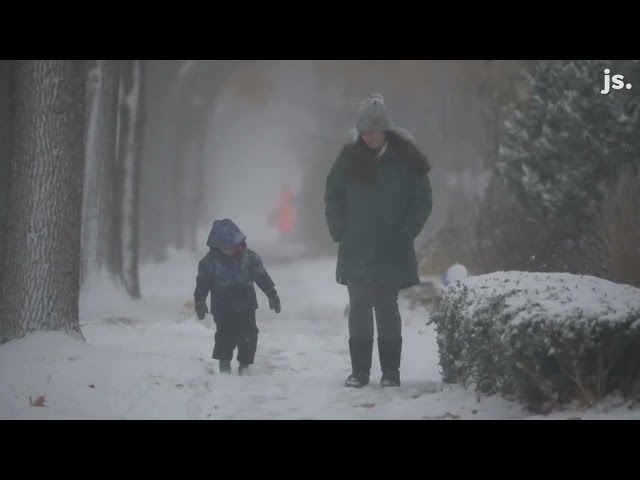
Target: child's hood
x,y
224,233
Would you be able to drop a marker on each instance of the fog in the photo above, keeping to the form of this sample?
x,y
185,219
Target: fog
x,y
273,121
254,146
223,138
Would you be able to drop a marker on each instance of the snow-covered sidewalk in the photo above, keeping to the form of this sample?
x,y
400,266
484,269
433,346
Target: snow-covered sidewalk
x,y
151,359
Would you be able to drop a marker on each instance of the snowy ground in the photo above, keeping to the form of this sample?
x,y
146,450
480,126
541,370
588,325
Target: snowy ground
x,y
152,360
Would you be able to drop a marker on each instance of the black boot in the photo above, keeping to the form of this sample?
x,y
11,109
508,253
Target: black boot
x,y
361,351
225,366
390,351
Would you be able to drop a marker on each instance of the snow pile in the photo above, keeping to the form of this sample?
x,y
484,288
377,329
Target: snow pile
x,y
454,273
543,338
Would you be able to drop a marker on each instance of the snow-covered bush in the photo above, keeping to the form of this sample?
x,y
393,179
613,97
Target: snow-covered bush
x,y
540,338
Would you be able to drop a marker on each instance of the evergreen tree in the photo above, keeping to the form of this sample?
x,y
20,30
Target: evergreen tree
x,y
560,151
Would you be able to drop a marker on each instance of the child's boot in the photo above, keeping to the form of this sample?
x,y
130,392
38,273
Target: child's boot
x,y
225,366
244,370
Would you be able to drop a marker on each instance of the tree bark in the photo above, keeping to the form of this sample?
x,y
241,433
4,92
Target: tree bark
x,y
4,155
45,198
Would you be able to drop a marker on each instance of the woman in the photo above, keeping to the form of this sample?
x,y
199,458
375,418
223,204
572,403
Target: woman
x,y
377,200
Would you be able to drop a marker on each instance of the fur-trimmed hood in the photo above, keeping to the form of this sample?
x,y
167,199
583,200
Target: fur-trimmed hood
x,y
400,140
352,135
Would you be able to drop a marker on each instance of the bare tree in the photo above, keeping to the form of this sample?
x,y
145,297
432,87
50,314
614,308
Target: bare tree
x,y
129,151
197,86
188,162
100,234
45,198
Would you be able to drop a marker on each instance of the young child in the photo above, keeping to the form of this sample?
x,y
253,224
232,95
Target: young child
x,y
229,272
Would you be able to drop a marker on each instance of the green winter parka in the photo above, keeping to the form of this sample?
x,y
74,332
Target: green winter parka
x,y
376,204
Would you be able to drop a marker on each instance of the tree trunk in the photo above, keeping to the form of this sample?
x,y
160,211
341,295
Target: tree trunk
x,y
193,164
101,212
130,134
45,198
4,155
156,199
198,84
199,198
179,164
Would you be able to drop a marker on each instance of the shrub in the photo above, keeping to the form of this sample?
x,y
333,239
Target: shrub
x,y
540,338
